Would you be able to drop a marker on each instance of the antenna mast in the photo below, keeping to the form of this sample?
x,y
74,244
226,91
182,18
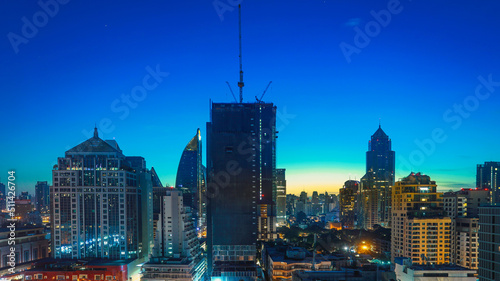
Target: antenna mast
x,y
240,84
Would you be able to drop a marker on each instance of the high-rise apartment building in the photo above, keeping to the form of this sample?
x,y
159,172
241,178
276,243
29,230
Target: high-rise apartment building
x,y
463,207
376,184
241,181
280,196
42,192
190,178
348,196
177,253
100,203
487,176
420,229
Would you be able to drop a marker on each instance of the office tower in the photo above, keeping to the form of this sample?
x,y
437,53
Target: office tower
x,y
378,180
348,203
177,253
190,178
487,176
281,196
241,171
101,203
303,197
42,196
420,230
489,243
489,256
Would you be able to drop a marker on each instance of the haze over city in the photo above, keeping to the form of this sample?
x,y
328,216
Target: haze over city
x,y
428,76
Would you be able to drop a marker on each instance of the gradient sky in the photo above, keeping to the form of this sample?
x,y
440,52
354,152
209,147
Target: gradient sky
x,y
425,61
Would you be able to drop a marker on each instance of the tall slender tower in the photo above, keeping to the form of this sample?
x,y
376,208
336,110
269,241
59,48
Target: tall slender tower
x,y
377,183
241,171
280,196
190,179
42,196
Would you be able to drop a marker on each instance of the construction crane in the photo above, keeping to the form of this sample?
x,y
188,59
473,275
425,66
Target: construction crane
x,y
260,100
240,84
232,93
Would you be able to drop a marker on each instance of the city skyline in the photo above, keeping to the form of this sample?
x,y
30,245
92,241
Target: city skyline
x,y
56,91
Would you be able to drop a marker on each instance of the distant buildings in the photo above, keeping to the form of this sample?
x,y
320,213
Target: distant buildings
x,y
101,203
177,253
420,229
280,196
241,171
191,179
348,197
487,176
376,184
42,192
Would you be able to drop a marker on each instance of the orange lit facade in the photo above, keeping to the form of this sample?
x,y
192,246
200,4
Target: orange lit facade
x,y
420,230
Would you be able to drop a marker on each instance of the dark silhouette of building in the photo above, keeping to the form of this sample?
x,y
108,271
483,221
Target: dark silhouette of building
x,y
241,171
190,179
377,183
42,191
280,196
348,197
487,177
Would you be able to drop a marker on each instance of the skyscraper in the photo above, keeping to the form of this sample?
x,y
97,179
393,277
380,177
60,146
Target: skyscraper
x,y
177,253
241,177
190,178
489,244
280,196
377,183
348,203
487,176
420,229
42,196
100,203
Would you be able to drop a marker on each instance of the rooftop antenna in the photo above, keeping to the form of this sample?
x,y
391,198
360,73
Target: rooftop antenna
x,y
240,84
379,122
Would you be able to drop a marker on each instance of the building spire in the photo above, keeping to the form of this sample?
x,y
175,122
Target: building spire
x,y
96,135
379,123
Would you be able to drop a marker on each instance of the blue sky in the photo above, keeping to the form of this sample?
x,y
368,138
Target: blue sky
x,y
418,72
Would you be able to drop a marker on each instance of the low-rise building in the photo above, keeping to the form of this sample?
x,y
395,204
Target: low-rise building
x,y
69,269
406,271
30,244
282,261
